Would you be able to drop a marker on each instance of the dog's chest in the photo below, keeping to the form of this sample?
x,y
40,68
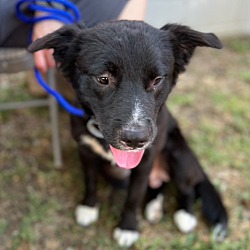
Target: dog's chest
x,y
95,145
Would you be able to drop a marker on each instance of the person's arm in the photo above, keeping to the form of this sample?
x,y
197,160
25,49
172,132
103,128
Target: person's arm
x,y
134,10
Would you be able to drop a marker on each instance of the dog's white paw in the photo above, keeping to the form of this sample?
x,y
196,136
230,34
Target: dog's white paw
x,y
86,215
185,221
154,209
125,238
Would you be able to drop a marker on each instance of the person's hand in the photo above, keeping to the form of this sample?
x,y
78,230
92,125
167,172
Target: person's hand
x,y
44,59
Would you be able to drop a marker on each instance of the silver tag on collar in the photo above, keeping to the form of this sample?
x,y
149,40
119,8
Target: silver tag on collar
x,y
93,129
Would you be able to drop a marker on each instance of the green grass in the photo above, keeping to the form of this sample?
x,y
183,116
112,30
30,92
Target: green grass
x,y
245,76
17,93
3,225
37,210
239,45
186,100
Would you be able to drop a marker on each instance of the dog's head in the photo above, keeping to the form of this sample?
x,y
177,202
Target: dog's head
x,y
123,71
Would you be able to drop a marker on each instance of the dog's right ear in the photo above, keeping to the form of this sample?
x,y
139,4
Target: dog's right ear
x,y
184,41
60,40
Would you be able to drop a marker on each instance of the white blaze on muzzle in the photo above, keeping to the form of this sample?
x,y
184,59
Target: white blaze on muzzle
x,y
130,159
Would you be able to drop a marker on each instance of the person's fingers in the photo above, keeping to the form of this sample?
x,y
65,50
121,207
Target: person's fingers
x,y
44,59
49,58
40,61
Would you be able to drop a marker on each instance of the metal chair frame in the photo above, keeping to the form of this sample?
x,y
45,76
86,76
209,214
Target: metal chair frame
x,y
23,62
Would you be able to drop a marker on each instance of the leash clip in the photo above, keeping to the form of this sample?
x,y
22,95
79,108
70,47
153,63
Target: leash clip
x,y
92,127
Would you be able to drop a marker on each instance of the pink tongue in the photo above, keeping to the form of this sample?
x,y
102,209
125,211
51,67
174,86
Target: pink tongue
x,y
125,159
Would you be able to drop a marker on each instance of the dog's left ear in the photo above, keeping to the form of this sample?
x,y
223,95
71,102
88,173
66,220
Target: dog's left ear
x,y
60,40
184,41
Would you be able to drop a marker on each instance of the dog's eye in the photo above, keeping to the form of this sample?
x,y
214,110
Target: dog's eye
x,y
103,80
157,80
154,84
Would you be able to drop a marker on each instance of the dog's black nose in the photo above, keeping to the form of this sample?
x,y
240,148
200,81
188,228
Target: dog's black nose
x,y
135,138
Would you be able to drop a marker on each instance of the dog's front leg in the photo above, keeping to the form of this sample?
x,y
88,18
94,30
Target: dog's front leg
x,y
126,234
87,211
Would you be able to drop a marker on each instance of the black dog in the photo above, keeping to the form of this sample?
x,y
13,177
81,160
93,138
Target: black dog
x,y
122,73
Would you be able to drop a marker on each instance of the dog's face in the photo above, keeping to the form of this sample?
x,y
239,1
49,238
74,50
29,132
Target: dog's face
x,y
123,71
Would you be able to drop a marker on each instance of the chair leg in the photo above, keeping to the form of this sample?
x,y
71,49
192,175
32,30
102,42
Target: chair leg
x,y
54,123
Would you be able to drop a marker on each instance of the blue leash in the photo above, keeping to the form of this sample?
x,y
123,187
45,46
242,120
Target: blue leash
x,y
69,16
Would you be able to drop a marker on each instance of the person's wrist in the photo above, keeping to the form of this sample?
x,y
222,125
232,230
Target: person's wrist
x,y
40,13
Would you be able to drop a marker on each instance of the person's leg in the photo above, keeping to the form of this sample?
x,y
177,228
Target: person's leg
x,y
15,33
96,11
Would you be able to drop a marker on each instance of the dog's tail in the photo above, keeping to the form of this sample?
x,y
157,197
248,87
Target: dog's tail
x,y
212,208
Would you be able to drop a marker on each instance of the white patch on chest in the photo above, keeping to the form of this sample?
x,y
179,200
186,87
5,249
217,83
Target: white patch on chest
x,y
95,145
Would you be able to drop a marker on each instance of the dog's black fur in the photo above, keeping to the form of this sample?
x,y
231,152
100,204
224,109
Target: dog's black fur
x,y
115,66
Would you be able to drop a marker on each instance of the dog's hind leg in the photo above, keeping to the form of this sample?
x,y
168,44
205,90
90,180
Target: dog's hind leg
x,y
213,209
191,182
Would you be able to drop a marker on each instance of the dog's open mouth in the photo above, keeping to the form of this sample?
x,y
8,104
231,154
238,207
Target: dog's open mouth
x,y
127,159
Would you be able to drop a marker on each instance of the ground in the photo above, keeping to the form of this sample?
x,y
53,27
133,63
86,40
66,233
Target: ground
x,y
211,102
